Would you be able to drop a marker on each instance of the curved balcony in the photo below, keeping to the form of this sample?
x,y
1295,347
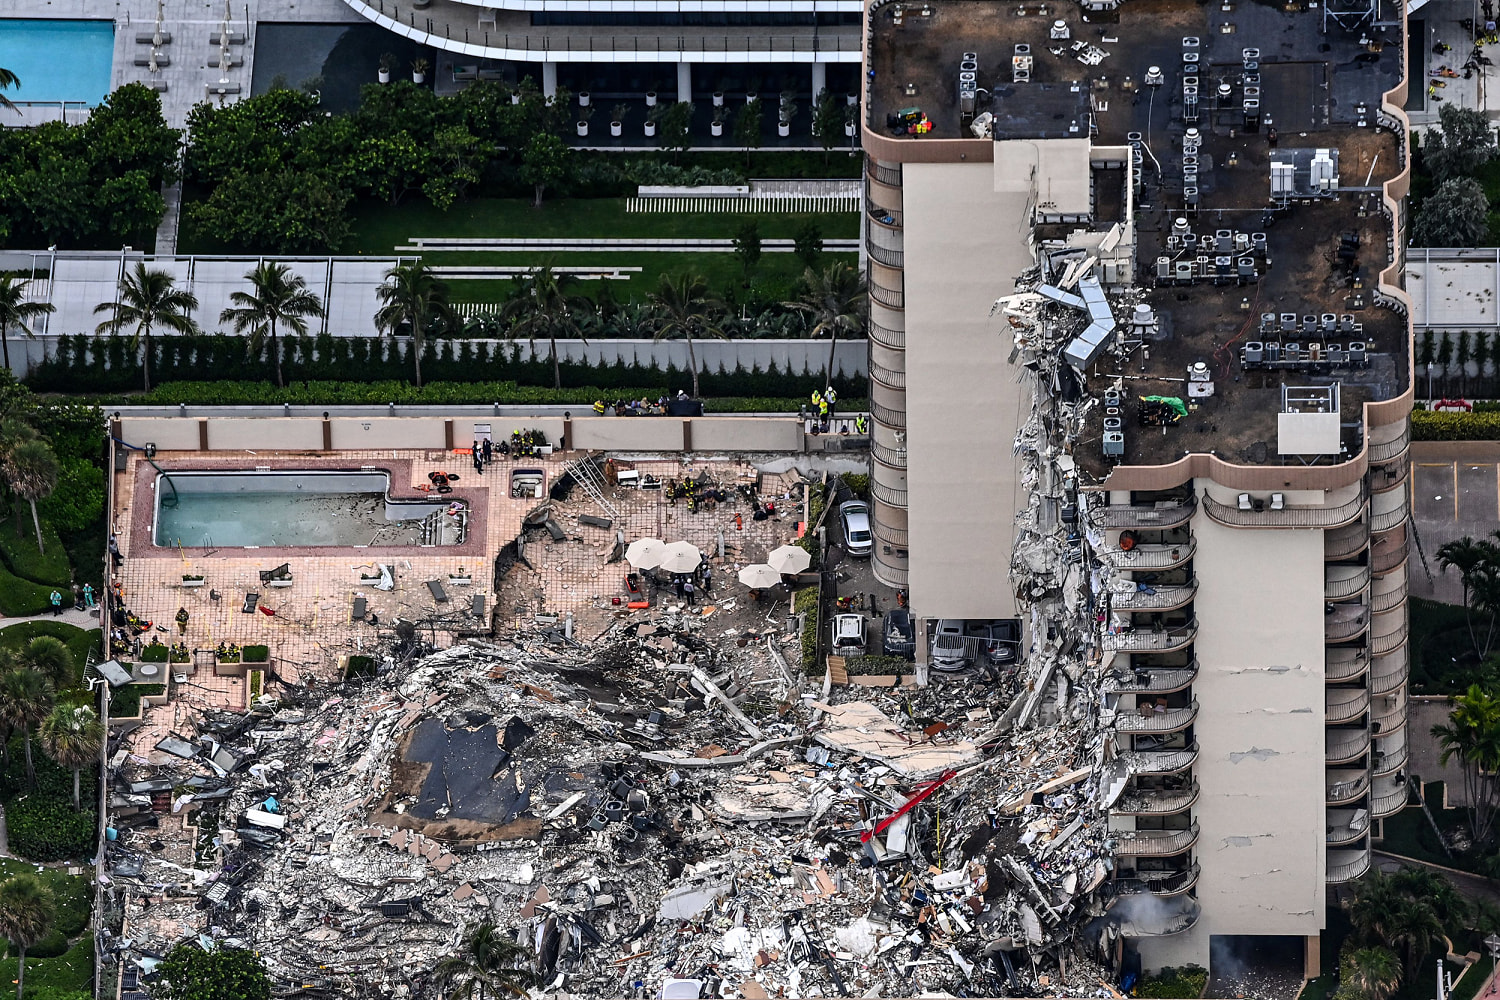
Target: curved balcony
x,y
1168,555
1155,598
1389,714
1141,915
1346,786
1388,797
886,337
894,298
888,416
1344,705
1168,640
1343,666
1155,802
1160,761
1388,552
1154,843
888,376
1388,672
1393,636
890,176
888,495
1162,515
1388,519
1346,866
1344,543
1153,680
1340,582
1173,720
1345,826
886,455
889,570
1155,883
1384,478
885,533
1341,625
1286,516
888,257
1390,600
890,218
1390,754
1387,451
1340,746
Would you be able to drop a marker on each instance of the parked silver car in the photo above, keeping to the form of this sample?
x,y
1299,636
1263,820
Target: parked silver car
x,y
949,650
855,517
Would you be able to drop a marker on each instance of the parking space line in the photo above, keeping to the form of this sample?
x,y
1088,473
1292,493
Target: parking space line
x,y
1455,492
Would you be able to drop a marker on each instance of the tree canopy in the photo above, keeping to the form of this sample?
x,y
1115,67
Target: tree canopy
x,y
190,973
1463,142
1454,215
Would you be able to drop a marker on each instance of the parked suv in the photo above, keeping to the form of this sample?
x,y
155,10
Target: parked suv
x,y
848,636
1001,640
898,635
949,651
855,516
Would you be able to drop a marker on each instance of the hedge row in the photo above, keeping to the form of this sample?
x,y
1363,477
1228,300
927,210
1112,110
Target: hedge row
x,y
88,364
1476,426
434,394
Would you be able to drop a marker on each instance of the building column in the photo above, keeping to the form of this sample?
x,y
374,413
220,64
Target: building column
x,y
819,79
549,79
684,81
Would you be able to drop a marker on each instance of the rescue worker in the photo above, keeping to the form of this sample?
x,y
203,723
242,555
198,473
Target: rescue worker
x,y
598,407
861,424
182,621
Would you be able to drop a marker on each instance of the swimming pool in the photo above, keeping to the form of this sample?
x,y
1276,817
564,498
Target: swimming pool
x,y
58,60
296,510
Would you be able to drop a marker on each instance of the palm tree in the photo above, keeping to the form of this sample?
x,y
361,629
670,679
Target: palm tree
x,y
26,698
27,913
7,79
1414,927
1473,560
490,965
1453,909
1472,735
30,467
545,304
1374,900
834,299
50,655
148,298
72,736
1376,973
413,296
14,310
684,308
278,296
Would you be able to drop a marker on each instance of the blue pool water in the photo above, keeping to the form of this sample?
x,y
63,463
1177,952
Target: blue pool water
x,y
58,60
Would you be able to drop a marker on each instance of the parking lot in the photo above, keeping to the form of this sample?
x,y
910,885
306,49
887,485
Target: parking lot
x,y
1455,491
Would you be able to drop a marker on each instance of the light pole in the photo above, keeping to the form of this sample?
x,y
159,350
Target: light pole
x,y
1492,944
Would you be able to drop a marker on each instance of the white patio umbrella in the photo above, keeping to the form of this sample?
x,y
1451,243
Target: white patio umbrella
x,y
759,576
645,553
680,557
789,559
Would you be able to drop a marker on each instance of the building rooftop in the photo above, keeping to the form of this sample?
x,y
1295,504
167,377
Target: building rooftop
x,y
1284,91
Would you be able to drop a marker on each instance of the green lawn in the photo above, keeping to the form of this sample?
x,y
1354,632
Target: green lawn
x,y
80,641
19,550
1473,979
70,948
379,228
1442,655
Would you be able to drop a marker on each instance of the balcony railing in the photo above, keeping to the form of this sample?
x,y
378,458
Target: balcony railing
x,y
1157,598
1345,581
1156,883
894,298
1384,642
1154,843
1345,705
1153,680
1148,641
1346,542
1346,866
1170,721
1343,745
886,337
1341,833
1287,516
1347,790
888,257
1345,622
1154,920
1385,478
888,217
1160,761
888,495
1154,802
889,176
1389,715
1388,450
886,455
1388,552
1162,515
1387,801
1391,599
1388,672
1386,520
1344,665
889,569
888,416
885,533
1147,557
888,376
1390,761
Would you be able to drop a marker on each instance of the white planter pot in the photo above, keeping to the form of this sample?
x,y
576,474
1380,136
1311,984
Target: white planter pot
x,y
191,584
650,98
849,130
418,77
583,128
851,99
515,98
751,96
783,129
650,128
716,128
616,129
385,76
583,98
718,98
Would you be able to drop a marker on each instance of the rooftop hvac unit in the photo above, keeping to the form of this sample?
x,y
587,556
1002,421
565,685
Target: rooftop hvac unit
x,y
1114,423
1114,444
1190,58
1174,242
1241,242
1224,91
1163,268
1190,198
1251,79
1258,240
1283,182
1251,91
1293,352
1254,353
1180,226
1060,30
1267,324
1190,178
1249,55
1182,271
1112,397
1357,352
1223,240
1190,41
1315,351
1142,322
1273,351
1328,322
968,90
1288,322
1325,176
1309,324
1190,162
1154,76
1189,239
1346,323
1246,266
1335,354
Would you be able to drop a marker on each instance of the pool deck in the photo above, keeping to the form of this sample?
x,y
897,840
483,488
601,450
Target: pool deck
x,y
312,627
